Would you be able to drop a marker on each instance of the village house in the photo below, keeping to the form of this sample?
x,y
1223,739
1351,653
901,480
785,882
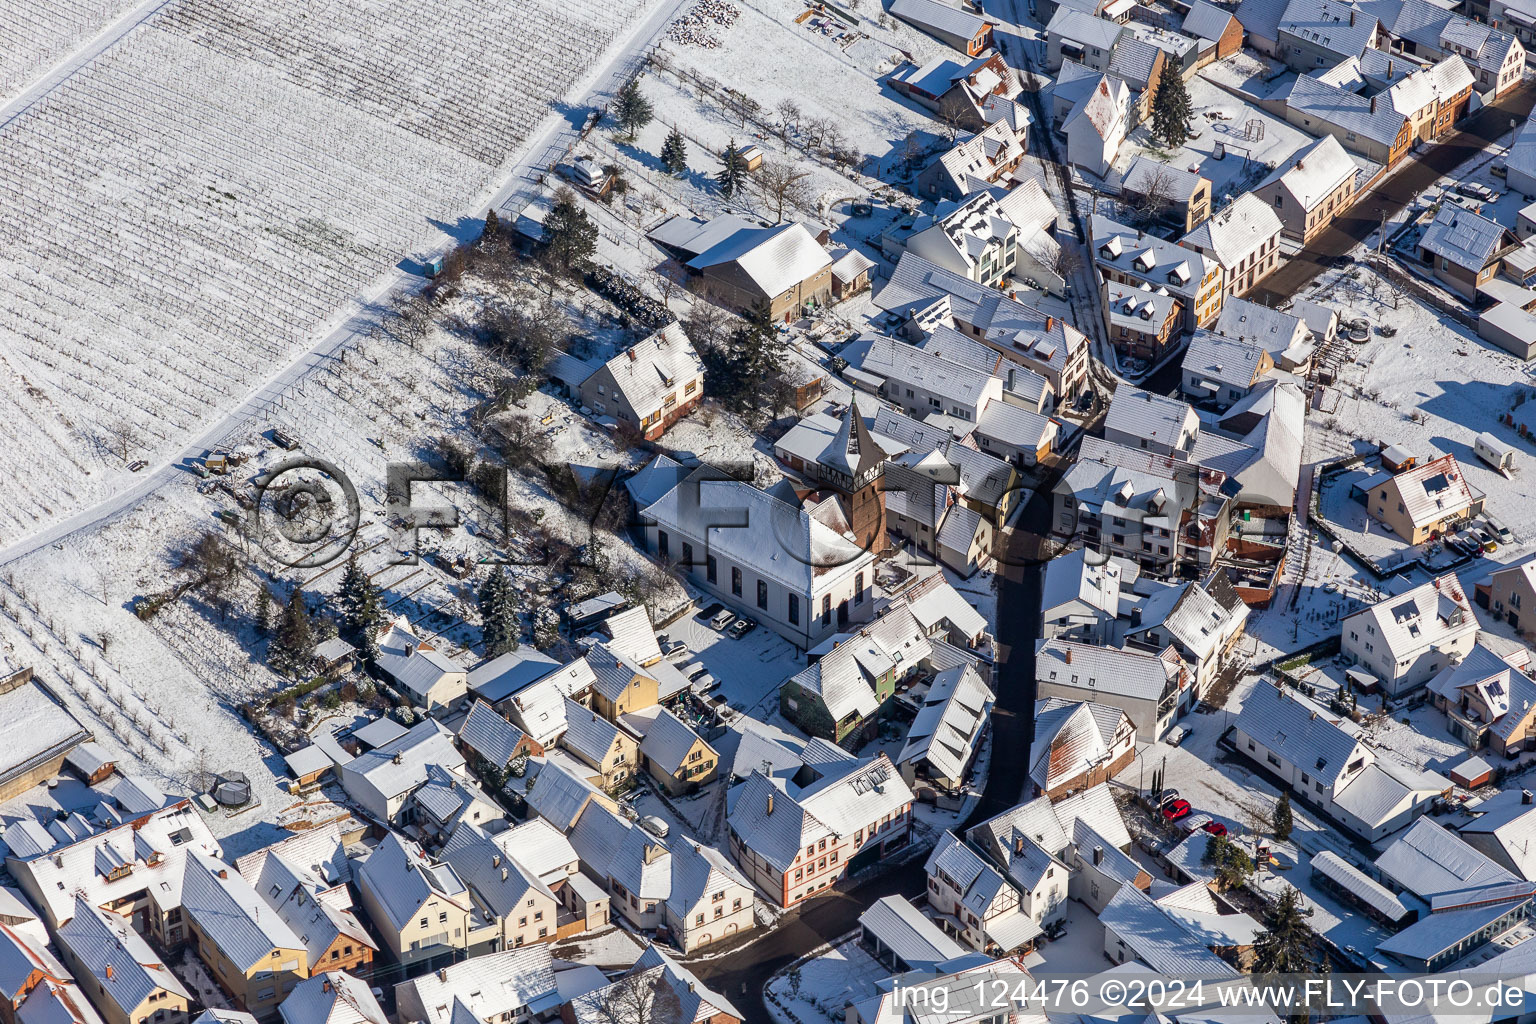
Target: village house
x,y
491,740
1322,33
1369,126
1286,336
1464,249
134,869
1309,188
1082,595
843,454
420,908
128,982
1140,419
1488,700
979,161
512,984
993,236
674,985
1152,183
927,297
967,32
958,93
430,678
1153,688
30,968
650,385
1222,370
1124,255
1143,324
1023,386
1509,594
1404,641
304,881
1323,759
608,750
1082,37
334,997
1428,31
520,906
743,266
1098,125
792,837
381,780
255,957
1501,831
1422,502
680,889
675,756
980,905
1077,745
921,382
1216,30
777,563
943,740
1243,239
1183,930
1202,621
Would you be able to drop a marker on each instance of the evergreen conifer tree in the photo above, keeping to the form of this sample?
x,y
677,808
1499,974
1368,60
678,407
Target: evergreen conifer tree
x,y
571,235
1284,947
674,152
733,171
631,109
1284,820
290,649
264,603
1171,109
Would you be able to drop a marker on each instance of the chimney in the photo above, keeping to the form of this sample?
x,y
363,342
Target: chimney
x,y
442,974
1050,324
1373,104
1527,797
109,972
325,986
1389,69
1351,18
770,803
1098,855
1069,655
396,759
1018,844
503,874
631,353
496,861
223,873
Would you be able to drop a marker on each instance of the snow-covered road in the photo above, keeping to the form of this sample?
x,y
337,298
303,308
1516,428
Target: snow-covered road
x,y
557,133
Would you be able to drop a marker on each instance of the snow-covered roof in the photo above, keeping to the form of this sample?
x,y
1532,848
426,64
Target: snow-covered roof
x,y
1261,17
400,765
1428,860
37,728
1331,105
1226,362
694,1002
1140,675
1430,615
1159,939
1139,308
1206,21
1082,581
21,957
1072,738
667,738
506,674
307,761
932,16
777,819
780,541
492,986
490,735
775,259
1342,28
1086,29
1237,232
334,997
561,793
1436,934
903,930
1050,824
1301,731
1145,257
1360,885
1464,238
949,723
230,914
402,879
651,369
1163,421
916,367
1104,107
850,265
496,875
934,600
1314,172
123,967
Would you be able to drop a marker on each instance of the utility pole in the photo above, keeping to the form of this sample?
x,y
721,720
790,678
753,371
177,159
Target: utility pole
x,y
1381,234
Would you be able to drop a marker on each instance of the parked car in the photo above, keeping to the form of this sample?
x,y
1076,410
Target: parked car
x,y
671,647
1167,796
1465,202
1499,169
1477,190
1343,259
1176,809
741,627
1177,735
696,670
1499,530
1215,828
722,618
655,826
705,684
710,612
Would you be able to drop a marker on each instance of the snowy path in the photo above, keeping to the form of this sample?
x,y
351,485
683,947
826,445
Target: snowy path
x,y
557,135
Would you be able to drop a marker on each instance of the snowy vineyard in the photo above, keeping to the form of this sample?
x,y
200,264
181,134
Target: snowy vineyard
x,y
185,214
696,26
36,34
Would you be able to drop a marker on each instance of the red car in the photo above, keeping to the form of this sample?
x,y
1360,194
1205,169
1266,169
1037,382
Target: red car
x,y
1215,828
1175,809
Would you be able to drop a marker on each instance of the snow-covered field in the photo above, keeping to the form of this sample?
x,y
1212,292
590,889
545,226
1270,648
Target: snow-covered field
x,y
183,214
35,34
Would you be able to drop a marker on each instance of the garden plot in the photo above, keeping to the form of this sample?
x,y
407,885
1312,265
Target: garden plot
x,y
1221,119
36,34
822,987
168,239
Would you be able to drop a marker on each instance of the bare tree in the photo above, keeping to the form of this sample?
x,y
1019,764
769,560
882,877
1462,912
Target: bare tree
x,y
781,186
1152,195
789,114
665,283
122,437
644,998
816,129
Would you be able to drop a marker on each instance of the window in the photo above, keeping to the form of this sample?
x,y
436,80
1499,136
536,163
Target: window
x,y
711,569
826,609
858,588
687,553
762,594
661,542
736,904
698,919
794,609
735,581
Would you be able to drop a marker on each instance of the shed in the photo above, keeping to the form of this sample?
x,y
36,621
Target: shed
x,y
1496,453
1397,458
850,274
752,156
1472,773
308,765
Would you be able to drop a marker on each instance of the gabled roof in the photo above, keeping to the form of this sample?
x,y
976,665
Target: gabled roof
x,y
1377,121
486,987
1236,232
904,931
1206,21
403,879
1159,939
949,723
667,739
496,877
775,259
1429,614
1178,182
22,959
1342,28
1464,238
657,973
1071,739
490,735
587,733
400,765
1428,861
648,371
1050,825
1297,729
334,997
1161,420
1139,675
1314,172
230,914
1223,361
1104,107
318,911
